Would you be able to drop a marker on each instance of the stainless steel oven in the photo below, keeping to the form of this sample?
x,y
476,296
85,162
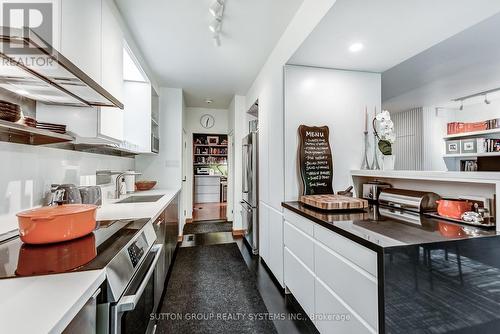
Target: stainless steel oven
x,y
132,312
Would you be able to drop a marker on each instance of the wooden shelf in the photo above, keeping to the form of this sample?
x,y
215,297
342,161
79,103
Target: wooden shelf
x,y
208,164
472,134
22,134
206,145
210,155
472,155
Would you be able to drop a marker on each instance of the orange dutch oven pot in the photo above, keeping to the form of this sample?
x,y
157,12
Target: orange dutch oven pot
x,y
453,208
56,223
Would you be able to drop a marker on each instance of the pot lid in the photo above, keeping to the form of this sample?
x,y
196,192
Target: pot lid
x,y
60,210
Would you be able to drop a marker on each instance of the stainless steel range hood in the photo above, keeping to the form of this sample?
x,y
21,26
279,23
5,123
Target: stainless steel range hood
x,y
32,68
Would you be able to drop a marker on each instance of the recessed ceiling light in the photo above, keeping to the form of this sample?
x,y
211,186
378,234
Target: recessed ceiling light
x,y
356,47
209,101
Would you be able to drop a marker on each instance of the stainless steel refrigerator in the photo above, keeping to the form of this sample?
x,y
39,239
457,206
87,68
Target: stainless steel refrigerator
x,y
249,212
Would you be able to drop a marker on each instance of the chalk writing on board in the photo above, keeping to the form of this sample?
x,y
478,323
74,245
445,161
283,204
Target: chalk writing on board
x,y
315,160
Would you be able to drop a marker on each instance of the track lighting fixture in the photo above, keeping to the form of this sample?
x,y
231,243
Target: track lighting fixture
x,y
217,11
461,106
217,8
486,99
215,26
217,40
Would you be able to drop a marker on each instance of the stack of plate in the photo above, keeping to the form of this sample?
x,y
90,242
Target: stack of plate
x,y
59,128
9,111
28,121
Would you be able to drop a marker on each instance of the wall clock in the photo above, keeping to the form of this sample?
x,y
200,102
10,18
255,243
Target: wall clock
x,y
207,121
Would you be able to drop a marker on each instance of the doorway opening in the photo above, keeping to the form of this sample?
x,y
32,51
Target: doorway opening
x,y
210,169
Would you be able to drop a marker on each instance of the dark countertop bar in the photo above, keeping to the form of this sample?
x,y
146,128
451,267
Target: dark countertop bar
x,y
379,228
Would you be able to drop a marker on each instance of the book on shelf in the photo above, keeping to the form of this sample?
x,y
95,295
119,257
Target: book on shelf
x,y
465,127
488,145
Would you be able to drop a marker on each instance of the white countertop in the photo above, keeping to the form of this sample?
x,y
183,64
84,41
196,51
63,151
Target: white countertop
x,y
47,304
111,210
467,177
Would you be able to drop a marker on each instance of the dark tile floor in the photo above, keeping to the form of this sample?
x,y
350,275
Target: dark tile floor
x,y
292,319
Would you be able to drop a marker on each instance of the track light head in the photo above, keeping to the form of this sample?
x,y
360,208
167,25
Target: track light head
x,y
217,8
461,105
486,99
215,26
216,40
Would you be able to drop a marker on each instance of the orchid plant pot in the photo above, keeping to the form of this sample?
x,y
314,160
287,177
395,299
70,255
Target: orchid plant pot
x,y
388,162
383,128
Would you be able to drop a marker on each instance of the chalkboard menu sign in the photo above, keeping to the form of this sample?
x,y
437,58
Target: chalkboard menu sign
x,y
315,160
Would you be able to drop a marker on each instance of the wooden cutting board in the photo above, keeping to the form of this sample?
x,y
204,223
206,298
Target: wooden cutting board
x,y
334,202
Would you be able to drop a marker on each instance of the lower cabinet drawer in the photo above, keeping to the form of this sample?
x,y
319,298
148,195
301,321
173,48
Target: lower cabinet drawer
x,y
206,180
300,244
331,316
206,198
300,281
354,286
361,256
207,189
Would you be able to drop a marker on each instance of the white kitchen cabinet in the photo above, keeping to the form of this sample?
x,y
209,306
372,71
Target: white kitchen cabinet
x,y
300,244
271,240
333,316
361,256
111,120
81,35
275,262
354,286
137,114
300,281
344,275
264,232
206,189
92,39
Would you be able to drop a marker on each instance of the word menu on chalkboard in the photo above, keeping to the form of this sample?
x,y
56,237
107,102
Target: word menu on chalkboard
x,y
315,160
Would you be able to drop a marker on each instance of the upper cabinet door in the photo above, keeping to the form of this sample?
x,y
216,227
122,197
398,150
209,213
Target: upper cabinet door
x,y
137,114
81,35
112,50
111,120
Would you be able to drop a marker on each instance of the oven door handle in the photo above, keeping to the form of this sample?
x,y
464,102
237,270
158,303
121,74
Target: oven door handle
x,y
128,303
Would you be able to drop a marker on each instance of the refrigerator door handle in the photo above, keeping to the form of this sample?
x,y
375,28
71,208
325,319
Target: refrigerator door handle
x,y
245,168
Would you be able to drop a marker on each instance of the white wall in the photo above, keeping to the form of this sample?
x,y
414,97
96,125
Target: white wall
x,y
336,98
268,89
166,166
238,128
192,125
27,172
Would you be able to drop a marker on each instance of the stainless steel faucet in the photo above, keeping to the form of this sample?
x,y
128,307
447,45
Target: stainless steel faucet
x,y
117,181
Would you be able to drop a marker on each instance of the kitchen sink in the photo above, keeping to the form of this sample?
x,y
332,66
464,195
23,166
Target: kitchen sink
x,y
140,199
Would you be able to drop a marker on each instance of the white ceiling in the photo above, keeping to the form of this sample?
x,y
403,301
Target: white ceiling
x,y
464,64
177,44
391,31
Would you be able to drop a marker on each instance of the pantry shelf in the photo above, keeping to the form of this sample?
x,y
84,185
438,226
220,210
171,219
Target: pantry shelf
x,y
472,155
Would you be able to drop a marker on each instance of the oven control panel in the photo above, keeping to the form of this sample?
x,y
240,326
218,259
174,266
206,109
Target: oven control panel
x,y
136,249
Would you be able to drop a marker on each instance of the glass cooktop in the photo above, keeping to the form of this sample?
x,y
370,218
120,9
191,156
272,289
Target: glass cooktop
x,y
91,252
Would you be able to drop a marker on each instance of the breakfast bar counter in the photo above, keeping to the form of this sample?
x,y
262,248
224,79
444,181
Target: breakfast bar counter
x,y
419,274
